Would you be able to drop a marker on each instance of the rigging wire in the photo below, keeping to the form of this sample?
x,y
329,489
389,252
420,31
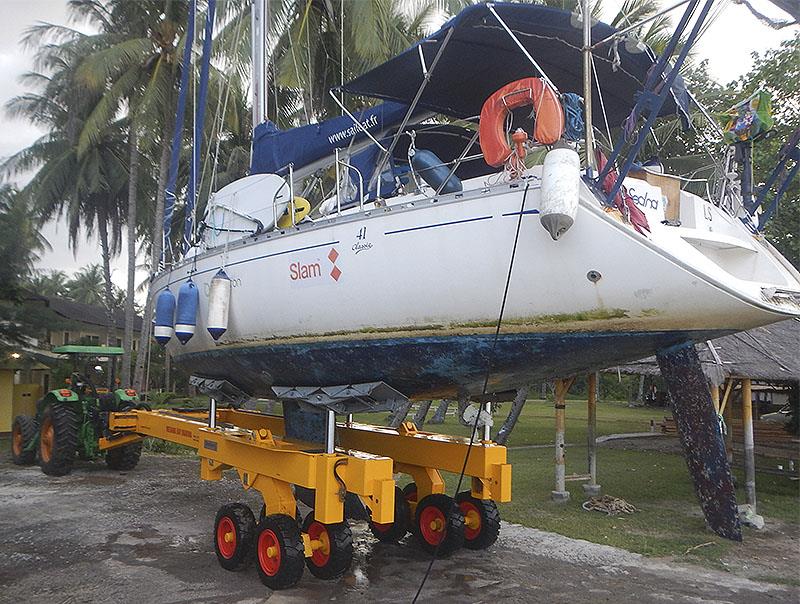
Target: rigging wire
x,y
485,381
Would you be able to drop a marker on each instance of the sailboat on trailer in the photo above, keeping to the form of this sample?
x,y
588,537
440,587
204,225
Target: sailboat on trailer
x,y
403,282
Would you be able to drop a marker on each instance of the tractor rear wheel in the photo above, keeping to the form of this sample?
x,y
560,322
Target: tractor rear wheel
x,y
234,536
58,439
22,433
124,458
280,554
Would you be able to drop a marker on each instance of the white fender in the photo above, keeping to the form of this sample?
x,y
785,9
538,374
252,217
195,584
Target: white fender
x,y
561,177
219,298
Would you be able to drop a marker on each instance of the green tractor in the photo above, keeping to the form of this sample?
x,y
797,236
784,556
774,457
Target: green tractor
x,y
69,421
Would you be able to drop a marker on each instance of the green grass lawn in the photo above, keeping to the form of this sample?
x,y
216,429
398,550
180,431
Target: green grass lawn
x,y
669,521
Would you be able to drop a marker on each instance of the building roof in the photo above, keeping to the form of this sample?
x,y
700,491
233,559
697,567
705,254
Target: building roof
x,y
769,353
88,313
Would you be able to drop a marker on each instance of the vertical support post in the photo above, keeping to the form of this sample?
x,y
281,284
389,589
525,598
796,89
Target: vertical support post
x,y
487,428
715,397
212,413
441,412
592,488
727,415
560,494
349,418
422,414
330,432
749,452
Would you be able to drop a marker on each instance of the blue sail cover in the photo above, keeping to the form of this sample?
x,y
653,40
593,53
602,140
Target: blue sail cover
x,y
274,150
481,57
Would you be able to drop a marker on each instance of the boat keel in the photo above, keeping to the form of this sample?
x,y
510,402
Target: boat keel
x,y
699,430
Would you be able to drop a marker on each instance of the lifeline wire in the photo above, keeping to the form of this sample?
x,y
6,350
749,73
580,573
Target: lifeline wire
x,y
485,382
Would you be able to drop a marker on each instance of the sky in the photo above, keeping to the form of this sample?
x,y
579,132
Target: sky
x,y
727,45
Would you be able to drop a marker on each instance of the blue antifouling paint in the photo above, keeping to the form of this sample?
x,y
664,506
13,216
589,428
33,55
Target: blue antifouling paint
x,y
165,317
186,312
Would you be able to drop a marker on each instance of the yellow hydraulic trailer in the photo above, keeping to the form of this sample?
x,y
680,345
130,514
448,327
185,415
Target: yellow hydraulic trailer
x,y
363,462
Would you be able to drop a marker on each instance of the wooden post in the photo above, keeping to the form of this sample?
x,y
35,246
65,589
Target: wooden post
x,y
727,415
560,494
715,397
749,452
592,488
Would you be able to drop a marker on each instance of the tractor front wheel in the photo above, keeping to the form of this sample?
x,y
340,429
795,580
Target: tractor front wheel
x,y
58,439
22,434
124,458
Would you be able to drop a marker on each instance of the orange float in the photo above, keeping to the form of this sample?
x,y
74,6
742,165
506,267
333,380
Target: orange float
x,y
548,127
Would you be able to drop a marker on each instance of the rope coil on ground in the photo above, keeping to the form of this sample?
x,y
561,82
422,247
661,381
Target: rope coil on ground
x,y
609,504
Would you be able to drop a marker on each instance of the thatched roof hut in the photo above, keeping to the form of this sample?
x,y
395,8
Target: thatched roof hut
x,y
768,354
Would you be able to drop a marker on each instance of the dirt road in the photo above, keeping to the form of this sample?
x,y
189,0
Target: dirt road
x,y
145,536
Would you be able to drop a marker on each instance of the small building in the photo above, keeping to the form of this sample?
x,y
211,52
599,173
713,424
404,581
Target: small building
x,y
86,324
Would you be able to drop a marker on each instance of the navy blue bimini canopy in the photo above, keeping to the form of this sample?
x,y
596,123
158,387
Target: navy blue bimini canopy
x,y
480,57
274,149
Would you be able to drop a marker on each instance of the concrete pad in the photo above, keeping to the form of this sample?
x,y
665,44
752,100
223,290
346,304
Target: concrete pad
x,y
146,536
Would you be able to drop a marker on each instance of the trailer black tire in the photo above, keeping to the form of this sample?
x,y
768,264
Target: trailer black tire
x,y
439,525
392,532
23,432
481,520
234,536
124,458
282,567
58,439
335,558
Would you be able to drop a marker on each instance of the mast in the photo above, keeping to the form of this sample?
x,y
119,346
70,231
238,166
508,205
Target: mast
x,y
587,83
258,38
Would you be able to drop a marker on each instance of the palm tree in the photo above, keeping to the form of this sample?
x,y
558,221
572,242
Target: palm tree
x,y
19,249
48,283
87,285
20,244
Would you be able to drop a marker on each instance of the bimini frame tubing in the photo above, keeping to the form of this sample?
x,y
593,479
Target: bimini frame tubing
x,y
421,455
267,462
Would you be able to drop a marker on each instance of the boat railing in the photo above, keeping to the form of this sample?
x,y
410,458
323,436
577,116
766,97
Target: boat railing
x,y
348,166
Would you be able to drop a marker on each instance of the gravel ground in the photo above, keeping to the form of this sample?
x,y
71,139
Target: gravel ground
x,y
145,536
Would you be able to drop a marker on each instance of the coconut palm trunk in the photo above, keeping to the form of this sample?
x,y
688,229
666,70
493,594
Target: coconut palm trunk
x,y
155,258
102,227
130,313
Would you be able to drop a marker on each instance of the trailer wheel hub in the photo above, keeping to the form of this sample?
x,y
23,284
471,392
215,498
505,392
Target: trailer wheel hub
x,y
226,537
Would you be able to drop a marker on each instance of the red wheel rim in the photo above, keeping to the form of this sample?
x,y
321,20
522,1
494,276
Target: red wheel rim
x,y
226,537
16,440
432,525
269,553
321,554
472,520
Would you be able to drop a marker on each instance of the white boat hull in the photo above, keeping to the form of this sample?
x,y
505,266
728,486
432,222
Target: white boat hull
x,y
410,294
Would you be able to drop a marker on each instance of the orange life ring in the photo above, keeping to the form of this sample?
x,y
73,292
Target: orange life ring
x,y
548,128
